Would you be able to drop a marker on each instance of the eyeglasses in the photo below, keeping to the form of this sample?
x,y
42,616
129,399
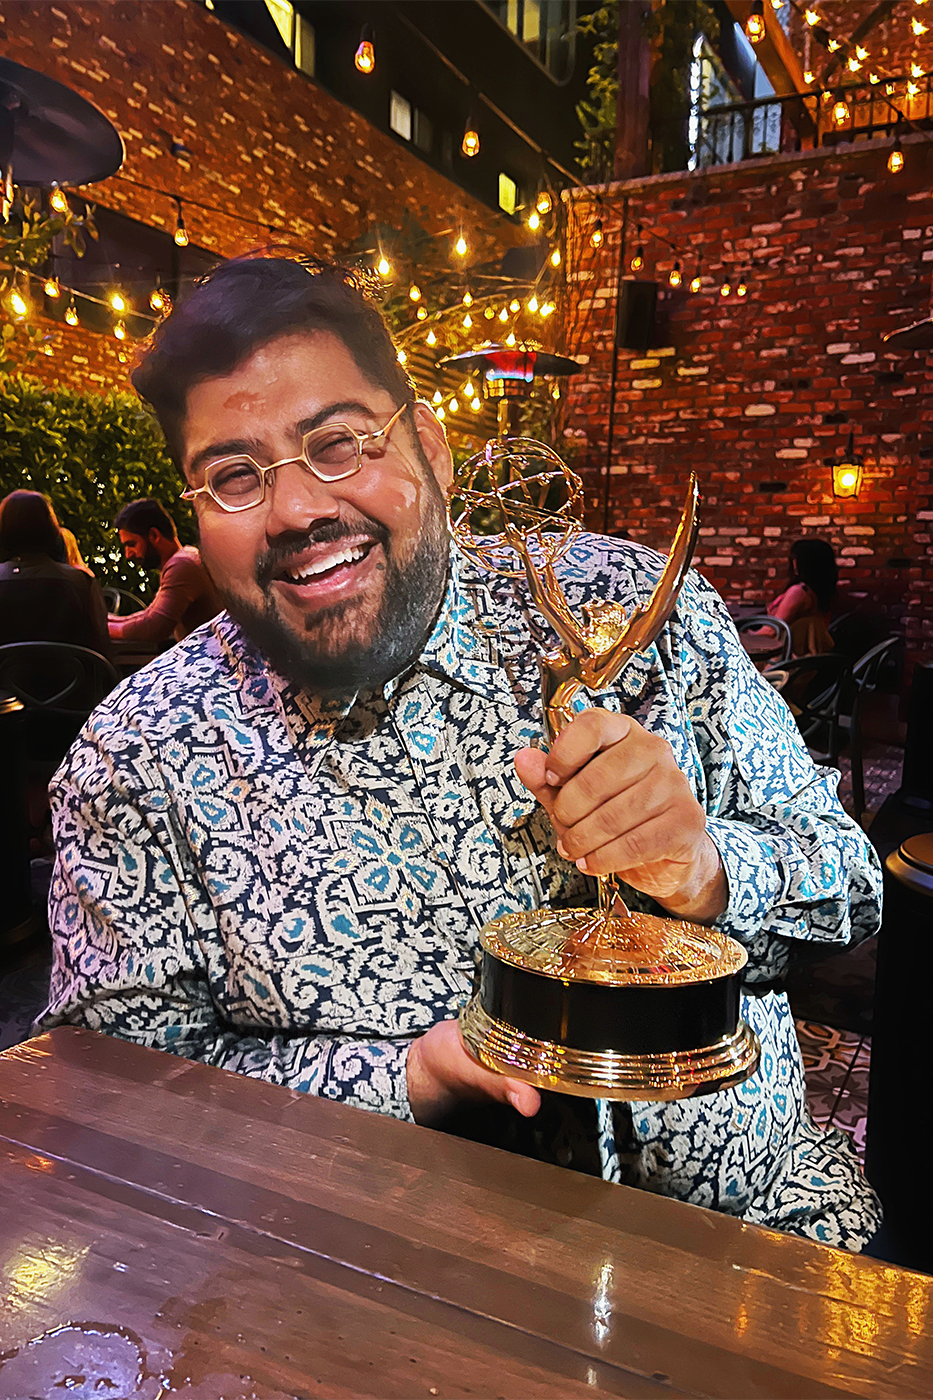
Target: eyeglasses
x,y
331,453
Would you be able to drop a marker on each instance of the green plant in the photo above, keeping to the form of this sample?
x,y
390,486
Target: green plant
x,y
26,244
90,455
673,30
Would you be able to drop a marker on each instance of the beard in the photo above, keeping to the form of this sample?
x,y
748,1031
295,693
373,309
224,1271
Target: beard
x,y
333,664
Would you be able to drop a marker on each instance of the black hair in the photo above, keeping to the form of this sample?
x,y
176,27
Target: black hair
x,y
813,562
247,302
139,517
29,525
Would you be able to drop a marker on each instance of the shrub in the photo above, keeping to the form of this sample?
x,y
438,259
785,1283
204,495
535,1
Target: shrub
x,y
90,454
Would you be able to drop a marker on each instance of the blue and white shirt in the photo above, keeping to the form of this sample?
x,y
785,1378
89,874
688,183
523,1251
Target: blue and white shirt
x,y
294,889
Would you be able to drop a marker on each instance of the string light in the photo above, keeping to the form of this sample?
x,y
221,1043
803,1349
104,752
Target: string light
x,y
755,24
440,413
638,261
58,200
544,202
402,357
874,78
696,281
489,313
555,258
676,277
365,57
811,17
916,71
809,77
383,266
460,247
422,313
547,309
853,64
454,406
414,293
467,321
515,305
476,405
533,305
504,314
469,146
181,233
840,110
510,339
534,221
437,396
833,45
912,89
468,391
917,26
52,287
596,237
157,299
896,158
17,303
860,52
726,289
71,313
118,301
47,350
431,338
555,390
119,331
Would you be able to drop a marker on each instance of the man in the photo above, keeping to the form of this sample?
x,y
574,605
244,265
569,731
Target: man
x,y
278,843
186,597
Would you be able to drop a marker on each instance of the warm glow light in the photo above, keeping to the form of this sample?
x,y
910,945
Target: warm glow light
x,y
468,390
383,266
755,29
510,339
47,350
896,159
454,406
181,234
742,289
71,314
833,45
58,201
917,26
422,313
853,64
847,478
460,247
467,298
811,17
916,71
544,203
440,413
912,89
437,396
118,301
157,299
469,146
119,331
51,287
534,221
696,283
596,237
402,357
638,261
675,277
504,314
840,111
476,405
365,56
467,321
860,52
874,78
809,77
533,305
431,338
414,293
726,289
547,309
515,305
489,312
18,304
555,258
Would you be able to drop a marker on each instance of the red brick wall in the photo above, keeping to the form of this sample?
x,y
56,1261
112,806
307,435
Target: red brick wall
x,y
743,391
265,142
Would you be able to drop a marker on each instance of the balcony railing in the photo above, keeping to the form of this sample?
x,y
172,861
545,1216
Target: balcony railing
x,y
804,121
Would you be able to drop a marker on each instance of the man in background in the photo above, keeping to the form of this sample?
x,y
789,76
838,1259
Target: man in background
x,y
186,596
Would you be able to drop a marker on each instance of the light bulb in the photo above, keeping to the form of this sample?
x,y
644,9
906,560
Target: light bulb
x,y
71,313
912,89
638,261
726,289
58,201
544,203
874,78
18,304
860,52
504,314
454,406
157,299
117,301
917,27
896,159
476,405
596,237
402,357
467,299
460,247
742,289
533,305
555,258
489,313
755,28
437,396
853,64
365,57
809,77
811,17
383,266
431,338
468,391
848,479
675,278
47,350
546,309
515,305
833,45
414,293
51,287
916,70
696,283
534,221
119,331
555,390
469,146
467,321
422,313
510,339
840,112
181,234
440,413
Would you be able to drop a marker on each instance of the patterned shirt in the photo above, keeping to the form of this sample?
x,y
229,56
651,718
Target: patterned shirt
x,y
293,888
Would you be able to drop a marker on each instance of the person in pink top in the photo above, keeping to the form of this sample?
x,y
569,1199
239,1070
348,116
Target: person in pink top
x,y
186,596
806,603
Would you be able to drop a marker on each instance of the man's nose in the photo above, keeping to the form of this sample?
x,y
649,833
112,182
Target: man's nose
x,y
296,498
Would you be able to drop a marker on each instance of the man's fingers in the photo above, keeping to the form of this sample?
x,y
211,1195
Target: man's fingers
x,y
588,734
531,767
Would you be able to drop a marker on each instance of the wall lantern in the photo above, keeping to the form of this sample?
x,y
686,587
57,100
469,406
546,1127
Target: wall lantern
x,y
848,473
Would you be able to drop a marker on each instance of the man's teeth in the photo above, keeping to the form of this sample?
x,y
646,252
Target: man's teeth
x,y
323,566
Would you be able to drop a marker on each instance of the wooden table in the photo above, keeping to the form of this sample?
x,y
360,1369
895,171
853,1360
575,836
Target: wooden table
x,y
168,1229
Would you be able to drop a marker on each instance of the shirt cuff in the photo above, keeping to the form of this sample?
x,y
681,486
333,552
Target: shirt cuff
x,y
756,884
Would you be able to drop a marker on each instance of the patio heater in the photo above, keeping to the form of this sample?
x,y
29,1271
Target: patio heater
x,y
508,375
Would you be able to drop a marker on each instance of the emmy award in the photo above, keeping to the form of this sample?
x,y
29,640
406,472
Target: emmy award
x,y
599,1002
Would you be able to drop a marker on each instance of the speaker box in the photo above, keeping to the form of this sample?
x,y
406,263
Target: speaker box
x,y
635,314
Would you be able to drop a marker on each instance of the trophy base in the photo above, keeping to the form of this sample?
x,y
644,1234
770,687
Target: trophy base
x,y
606,1074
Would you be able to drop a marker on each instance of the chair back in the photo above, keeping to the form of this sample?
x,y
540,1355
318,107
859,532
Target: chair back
x,y
865,671
59,685
120,602
814,686
762,627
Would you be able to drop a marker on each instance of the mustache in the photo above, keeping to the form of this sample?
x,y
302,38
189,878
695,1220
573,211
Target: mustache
x,y
286,547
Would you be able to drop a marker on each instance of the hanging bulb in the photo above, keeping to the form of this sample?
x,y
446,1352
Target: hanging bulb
x,y
755,24
696,282
874,78
18,303
52,287
157,299
504,314
860,52
454,406
515,305
476,405
71,313
555,389
119,331
547,309
742,289
467,321
402,357
534,221
383,266
912,89
726,289
469,146
431,338
917,27
460,247
58,201
467,298
809,77
840,110
555,258
544,203
896,158
533,305
414,293
437,396
118,301
422,313
596,237
47,350
916,70
638,261
510,339
181,233
468,391
853,64
833,45
676,277
365,57
811,17
489,313
440,413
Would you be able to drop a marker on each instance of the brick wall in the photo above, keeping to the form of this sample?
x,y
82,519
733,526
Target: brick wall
x,y
749,392
265,144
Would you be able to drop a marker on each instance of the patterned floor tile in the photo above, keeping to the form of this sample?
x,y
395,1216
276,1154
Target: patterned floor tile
x,y
836,1068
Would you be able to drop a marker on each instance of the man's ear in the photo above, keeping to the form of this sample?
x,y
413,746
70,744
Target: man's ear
x,y
434,444
154,535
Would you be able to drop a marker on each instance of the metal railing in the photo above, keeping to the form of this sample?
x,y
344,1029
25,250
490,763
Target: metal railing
x,y
730,132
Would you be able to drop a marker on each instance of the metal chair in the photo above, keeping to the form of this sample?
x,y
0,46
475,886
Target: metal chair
x,y
813,687
865,673
59,684
117,598
778,630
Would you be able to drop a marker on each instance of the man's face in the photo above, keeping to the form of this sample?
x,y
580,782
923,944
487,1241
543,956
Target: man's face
x,y
141,549
338,583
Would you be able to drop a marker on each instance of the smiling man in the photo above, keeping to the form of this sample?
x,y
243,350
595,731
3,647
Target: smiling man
x,y
277,844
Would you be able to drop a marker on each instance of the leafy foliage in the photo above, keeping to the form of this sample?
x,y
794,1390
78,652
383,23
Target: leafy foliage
x,y
673,30
597,112
90,455
26,242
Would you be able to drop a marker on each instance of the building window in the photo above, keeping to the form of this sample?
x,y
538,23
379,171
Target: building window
x,y
424,132
508,193
545,28
400,116
304,45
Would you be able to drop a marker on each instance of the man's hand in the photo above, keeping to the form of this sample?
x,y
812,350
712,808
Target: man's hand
x,y
621,806
441,1074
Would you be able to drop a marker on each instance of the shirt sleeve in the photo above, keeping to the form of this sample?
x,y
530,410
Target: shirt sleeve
x,y
798,867
137,945
180,584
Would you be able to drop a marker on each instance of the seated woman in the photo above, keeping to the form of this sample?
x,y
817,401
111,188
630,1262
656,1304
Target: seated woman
x,y
43,599
806,602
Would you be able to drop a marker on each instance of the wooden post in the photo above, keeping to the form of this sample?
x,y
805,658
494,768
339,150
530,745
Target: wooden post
x,y
632,108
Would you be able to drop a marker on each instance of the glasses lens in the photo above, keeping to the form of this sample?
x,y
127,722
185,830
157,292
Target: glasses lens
x,y
333,451
237,482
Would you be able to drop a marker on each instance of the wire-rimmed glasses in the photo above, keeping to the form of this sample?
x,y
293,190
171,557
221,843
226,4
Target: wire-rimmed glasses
x,y
331,453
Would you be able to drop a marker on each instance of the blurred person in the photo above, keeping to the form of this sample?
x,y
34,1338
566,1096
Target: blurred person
x,y
73,555
806,603
186,595
43,598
